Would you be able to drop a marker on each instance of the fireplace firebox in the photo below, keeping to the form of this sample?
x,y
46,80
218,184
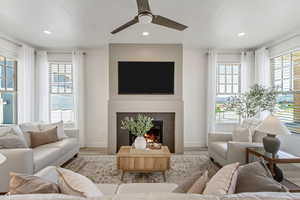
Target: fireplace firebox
x,y
154,135
162,132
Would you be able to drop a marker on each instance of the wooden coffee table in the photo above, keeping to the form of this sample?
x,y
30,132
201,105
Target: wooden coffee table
x,y
143,161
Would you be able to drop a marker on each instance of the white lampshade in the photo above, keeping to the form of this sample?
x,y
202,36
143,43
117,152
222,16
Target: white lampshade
x,y
2,159
272,125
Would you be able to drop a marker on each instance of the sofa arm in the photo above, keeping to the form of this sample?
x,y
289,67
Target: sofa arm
x,y
72,133
237,151
17,160
219,137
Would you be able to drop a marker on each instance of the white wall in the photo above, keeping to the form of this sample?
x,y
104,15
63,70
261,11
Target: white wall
x,y
96,101
194,96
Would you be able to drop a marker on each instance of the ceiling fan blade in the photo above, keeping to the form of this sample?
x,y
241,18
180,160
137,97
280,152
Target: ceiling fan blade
x,y
163,21
130,23
143,6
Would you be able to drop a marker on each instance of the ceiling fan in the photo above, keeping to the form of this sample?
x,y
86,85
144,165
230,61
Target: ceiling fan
x,y
145,16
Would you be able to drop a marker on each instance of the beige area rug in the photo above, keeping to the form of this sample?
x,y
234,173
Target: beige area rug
x,y
103,169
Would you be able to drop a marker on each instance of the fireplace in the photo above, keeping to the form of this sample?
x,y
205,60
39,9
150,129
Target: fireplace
x,y
162,132
154,135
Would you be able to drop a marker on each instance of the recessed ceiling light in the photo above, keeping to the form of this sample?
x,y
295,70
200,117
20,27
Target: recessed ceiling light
x,y
145,33
241,34
47,32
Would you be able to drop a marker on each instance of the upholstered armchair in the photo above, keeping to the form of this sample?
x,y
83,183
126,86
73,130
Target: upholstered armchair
x,y
223,150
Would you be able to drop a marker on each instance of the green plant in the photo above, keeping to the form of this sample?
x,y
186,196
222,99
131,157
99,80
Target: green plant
x,y
137,126
249,104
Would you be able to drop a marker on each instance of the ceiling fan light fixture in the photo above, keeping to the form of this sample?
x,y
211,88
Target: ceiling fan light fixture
x,y
145,18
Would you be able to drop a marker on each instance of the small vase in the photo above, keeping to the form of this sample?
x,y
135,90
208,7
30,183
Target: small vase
x,y
140,142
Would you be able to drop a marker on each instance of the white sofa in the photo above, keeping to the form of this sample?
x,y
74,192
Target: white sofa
x,y
30,161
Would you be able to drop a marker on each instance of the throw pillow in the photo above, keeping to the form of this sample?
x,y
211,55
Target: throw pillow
x,y
60,129
199,186
26,127
241,134
27,184
223,182
9,138
188,183
258,136
256,177
43,137
75,184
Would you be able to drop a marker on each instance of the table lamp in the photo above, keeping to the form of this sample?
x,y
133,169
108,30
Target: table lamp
x,y
2,159
273,127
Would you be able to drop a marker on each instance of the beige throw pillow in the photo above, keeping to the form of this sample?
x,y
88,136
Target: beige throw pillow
x,y
256,177
188,183
27,184
60,129
199,186
241,134
43,137
223,182
72,183
29,127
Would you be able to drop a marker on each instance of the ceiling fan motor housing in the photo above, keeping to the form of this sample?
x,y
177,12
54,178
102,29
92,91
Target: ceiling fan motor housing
x,y
145,18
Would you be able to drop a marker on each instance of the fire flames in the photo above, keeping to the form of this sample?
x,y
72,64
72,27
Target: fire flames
x,y
150,137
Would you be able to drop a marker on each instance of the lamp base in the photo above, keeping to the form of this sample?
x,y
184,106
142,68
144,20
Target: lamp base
x,y
271,144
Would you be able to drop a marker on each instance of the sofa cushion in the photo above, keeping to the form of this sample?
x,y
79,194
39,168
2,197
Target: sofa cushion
x,y
186,184
64,145
219,148
199,186
146,188
224,181
45,156
28,184
108,189
43,137
60,129
241,134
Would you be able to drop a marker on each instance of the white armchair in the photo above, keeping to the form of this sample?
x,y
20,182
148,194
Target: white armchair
x,y
223,150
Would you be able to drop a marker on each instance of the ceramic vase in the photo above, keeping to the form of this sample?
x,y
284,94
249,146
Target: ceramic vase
x,y
140,142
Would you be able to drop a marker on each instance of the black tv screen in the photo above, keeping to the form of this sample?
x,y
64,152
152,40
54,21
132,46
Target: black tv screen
x,y
146,77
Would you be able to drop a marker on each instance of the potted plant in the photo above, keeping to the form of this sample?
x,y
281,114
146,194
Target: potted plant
x,y
250,104
138,126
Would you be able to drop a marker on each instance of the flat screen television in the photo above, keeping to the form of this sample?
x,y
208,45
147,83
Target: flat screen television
x,y
146,77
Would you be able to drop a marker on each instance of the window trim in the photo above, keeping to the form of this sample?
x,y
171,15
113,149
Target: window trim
x,y
66,124
15,88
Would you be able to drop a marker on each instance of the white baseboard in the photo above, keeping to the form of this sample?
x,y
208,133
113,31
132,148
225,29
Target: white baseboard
x,y
193,144
96,144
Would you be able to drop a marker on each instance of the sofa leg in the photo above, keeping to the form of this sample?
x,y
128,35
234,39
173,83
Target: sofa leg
x,y
211,159
76,155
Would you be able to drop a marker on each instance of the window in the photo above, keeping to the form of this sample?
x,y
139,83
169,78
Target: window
x,y
286,78
61,92
8,90
228,84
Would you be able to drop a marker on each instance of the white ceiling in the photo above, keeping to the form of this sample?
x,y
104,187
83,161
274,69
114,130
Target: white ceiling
x,y
88,23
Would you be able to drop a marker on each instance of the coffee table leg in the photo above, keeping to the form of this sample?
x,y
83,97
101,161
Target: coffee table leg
x,y
122,175
164,175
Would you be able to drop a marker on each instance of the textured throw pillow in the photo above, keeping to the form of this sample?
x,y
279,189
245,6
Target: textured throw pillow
x,y
188,183
43,137
256,177
11,138
75,184
27,184
199,186
241,134
26,127
60,129
224,181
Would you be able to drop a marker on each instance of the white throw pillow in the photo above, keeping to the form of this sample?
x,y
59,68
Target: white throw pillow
x,y
29,127
223,182
72,183
12,137
60,129
241,134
